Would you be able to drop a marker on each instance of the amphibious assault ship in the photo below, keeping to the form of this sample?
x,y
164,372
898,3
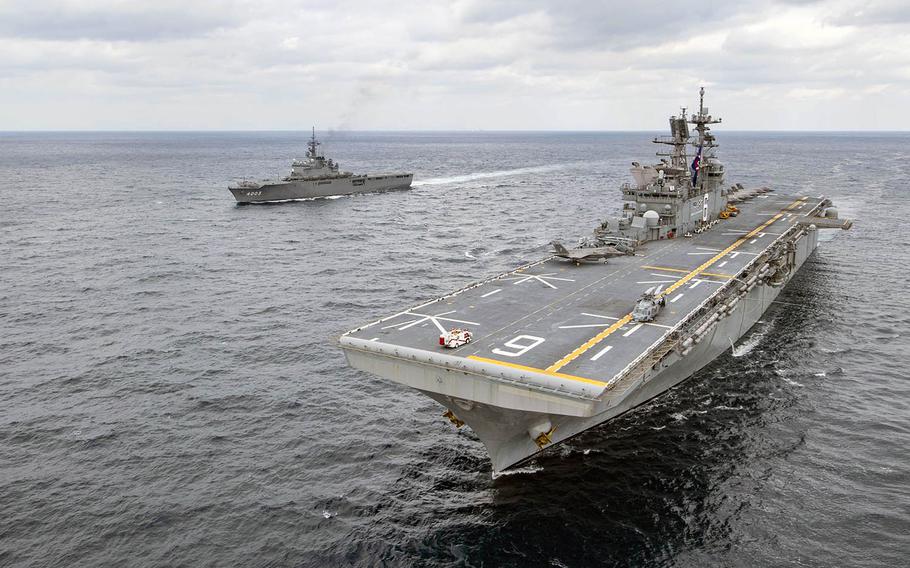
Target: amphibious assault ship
x,y
316,177
564,344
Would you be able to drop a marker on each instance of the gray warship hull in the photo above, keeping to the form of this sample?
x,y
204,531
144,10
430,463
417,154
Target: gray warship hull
x,y
271,191
562,346
555,351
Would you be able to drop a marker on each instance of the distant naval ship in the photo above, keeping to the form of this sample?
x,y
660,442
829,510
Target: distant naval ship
x,y
571,341
317,177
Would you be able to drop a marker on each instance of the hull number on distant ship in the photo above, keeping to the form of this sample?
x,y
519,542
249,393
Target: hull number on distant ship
x,y
521,345
253,193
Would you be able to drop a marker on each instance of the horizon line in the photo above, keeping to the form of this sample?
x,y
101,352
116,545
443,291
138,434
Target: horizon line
x,y
428,131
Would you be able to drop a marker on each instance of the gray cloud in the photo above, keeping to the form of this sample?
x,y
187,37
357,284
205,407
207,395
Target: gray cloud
x,y
437,64
111,20
582,24
871,12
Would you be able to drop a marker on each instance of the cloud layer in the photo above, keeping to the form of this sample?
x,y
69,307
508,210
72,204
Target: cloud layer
x,y
464,64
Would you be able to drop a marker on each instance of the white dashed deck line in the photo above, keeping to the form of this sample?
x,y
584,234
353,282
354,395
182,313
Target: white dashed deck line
x,y
491,293
599,316
542,281
741,233
542,278
398,324
605,324
601,352
633,330
656,282
676,297
695,284
423,319
753,241
721,265
429,318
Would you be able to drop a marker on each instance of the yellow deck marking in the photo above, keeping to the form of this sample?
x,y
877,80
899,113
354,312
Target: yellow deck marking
x,y
670,289
589,344
536,370
686,271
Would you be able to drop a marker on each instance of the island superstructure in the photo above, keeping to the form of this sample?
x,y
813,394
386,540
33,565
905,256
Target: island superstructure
x,y
317,176
558,345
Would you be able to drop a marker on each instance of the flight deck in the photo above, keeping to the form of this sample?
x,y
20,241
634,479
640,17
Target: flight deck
x,y
532,357
573,322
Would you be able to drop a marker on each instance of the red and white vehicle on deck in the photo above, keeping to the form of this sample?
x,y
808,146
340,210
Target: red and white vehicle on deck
x,y
455,337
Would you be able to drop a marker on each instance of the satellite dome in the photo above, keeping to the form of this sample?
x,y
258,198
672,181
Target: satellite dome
x,y
651,218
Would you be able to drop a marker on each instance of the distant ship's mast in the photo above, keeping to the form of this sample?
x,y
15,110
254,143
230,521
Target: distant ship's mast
x,y
311,153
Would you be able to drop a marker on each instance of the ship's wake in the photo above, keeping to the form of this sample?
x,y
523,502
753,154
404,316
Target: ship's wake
x,y
747,344
517,471
487,175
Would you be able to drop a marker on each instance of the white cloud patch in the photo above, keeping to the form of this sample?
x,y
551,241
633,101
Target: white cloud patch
x,y
514,64
116,19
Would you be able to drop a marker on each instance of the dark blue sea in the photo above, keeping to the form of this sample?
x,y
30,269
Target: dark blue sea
x,y
171,394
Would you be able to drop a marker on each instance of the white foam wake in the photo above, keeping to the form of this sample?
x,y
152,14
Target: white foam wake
x,y
748,345
517,471
488,175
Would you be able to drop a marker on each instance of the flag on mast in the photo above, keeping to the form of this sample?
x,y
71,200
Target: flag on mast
x,y
696,163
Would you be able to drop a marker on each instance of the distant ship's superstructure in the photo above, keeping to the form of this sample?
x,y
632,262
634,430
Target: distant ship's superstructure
x,y
317,176
573,340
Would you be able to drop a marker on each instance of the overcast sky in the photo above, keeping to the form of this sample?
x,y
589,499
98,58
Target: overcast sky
x,y
461,64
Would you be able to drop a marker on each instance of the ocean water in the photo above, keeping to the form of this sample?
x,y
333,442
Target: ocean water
x,y
170,391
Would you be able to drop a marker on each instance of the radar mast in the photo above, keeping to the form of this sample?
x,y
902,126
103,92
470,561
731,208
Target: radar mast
x,y
312,144
701,122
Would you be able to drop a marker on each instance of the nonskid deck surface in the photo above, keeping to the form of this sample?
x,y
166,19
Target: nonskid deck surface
x,y
573,321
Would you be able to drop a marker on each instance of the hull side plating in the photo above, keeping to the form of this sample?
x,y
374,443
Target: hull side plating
x,y
504,430
310,189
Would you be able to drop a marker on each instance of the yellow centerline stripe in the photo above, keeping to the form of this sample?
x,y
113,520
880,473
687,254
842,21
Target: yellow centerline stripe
x,y
536,370
682,270
589,344
670,289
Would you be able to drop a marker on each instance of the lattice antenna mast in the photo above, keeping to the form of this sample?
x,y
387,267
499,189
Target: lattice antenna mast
x,y
312,144
678,139
701,122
